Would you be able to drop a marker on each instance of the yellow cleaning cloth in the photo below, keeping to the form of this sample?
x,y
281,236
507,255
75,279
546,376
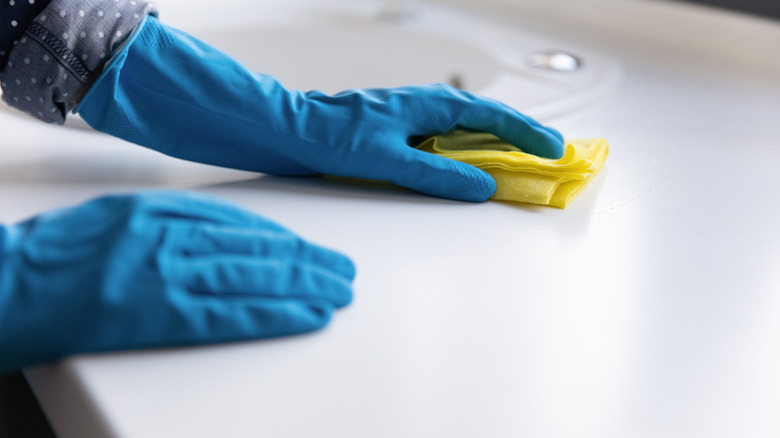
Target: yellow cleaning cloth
x,y
522,177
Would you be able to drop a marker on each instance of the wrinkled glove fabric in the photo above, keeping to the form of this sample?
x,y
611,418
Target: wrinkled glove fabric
x,y
158,269
173,93
521,177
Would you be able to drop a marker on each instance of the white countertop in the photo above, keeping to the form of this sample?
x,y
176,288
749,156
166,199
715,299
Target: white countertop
x,y
650,307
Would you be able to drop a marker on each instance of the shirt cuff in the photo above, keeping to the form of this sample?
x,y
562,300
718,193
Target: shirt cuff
x,y
64,49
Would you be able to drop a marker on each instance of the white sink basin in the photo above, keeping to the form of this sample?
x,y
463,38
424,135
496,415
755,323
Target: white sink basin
x,y
335,53
333,58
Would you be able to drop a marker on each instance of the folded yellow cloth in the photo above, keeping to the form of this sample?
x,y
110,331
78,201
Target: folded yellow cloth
x,y
522,177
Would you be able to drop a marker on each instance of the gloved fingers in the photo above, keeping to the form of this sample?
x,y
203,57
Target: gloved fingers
x,y
232,276
225,319
515,128
439,176
265,243
511,112
451,109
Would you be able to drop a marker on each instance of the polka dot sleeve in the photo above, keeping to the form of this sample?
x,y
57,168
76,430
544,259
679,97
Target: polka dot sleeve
x,y
15,16
63,50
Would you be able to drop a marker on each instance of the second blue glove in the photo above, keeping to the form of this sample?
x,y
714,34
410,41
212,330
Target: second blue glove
x,y
158,269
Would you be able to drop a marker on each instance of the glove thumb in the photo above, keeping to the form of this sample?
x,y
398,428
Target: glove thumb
x,y
443,177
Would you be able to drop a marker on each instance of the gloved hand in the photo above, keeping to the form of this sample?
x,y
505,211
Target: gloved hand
x,y
158,269
170,92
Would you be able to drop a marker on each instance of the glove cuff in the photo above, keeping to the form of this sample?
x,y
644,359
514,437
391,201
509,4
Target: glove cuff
x,y
5,251
9,238
7,242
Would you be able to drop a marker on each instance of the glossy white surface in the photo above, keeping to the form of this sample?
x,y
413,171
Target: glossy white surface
x,y
650,307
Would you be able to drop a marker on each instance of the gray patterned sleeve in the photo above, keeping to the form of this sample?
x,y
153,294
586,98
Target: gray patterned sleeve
x,y
63,50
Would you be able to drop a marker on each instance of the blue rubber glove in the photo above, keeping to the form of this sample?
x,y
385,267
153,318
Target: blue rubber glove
x,y
170,92
158,269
